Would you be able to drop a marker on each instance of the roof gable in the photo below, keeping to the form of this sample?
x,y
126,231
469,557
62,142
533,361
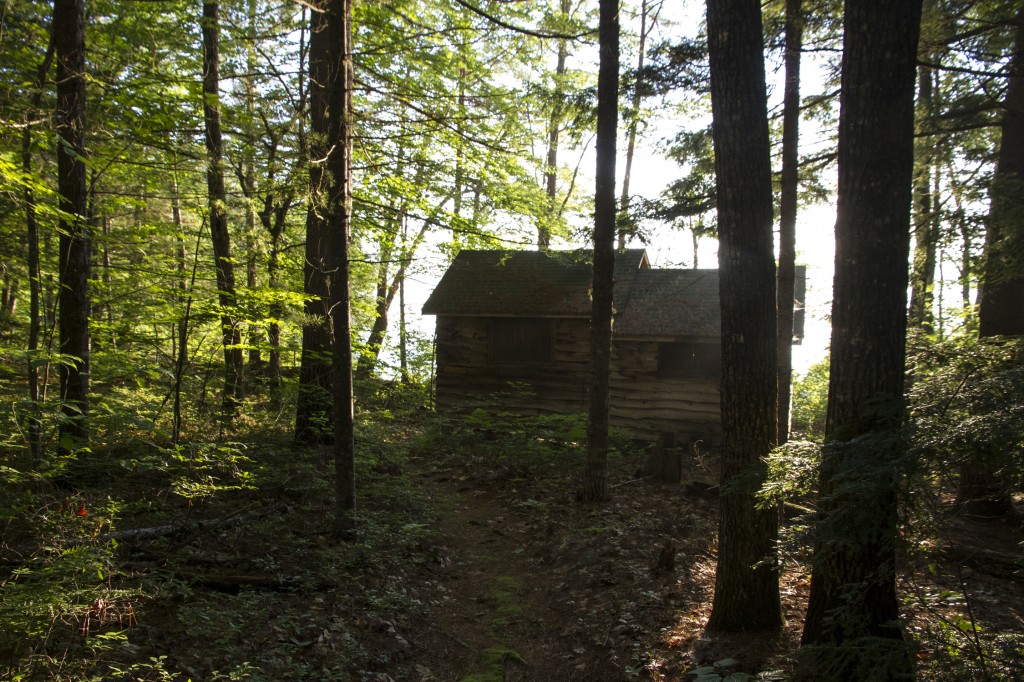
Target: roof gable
x,y
526,283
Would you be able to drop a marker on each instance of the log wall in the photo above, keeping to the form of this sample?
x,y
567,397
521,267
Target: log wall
x,y
641,401
466,377
651,405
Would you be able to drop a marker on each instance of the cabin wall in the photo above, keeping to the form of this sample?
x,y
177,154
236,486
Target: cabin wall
x,y
468,377
642,400
648,403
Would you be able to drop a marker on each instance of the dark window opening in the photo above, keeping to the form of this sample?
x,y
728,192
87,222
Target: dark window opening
x,y
521,341
689,361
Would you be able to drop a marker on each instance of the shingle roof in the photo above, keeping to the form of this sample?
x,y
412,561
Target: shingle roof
x,y
671,303
526,283
648,302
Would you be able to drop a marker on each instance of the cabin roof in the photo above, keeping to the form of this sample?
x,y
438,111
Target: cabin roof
x,y
649,302
526,283
663,302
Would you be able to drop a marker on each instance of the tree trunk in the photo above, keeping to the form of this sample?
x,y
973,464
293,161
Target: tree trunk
x,y
790,183
108,290
625,230
313,408
403,358
851,629
386,290
253,370
182,284
554,131
217,197
926,224
983,490
595,472
32,235
338,95
69,36
273,218
746,579
966,262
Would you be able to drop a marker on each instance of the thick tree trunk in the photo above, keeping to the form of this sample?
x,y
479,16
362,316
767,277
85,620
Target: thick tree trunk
x,y
217,197
69,36
787,210
313,409
852,629
595,471
1001,309
746,579
338,94
983,490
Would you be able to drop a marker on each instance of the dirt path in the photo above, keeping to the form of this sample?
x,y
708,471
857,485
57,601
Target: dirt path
x,y
530,585
492,615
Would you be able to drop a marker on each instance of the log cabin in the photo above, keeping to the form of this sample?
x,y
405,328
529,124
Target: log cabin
x,y
512,333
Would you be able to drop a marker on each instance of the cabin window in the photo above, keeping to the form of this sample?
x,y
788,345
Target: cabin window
x,y
521,341
689,361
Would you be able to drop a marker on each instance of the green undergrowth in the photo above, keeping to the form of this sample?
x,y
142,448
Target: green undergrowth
x,y
212,560
506,449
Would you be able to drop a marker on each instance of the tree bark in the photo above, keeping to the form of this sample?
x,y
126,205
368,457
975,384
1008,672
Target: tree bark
x,y
595,472
217,197
790,182
69,37
625,230
180,256
32,235
554,131
387,288
273,216
983,490
926,225
1001,309
851,629
746,579
338,93
313,408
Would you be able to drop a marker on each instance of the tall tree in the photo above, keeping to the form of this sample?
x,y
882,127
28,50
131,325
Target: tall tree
x,y
555,123
32,234
926,224
1001,307
313,407
746,579
338,163
595,472
69,37
851,629
217,206
789,189
648,19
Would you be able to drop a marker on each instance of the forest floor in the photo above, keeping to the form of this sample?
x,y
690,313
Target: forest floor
x,y
472,562
539,587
